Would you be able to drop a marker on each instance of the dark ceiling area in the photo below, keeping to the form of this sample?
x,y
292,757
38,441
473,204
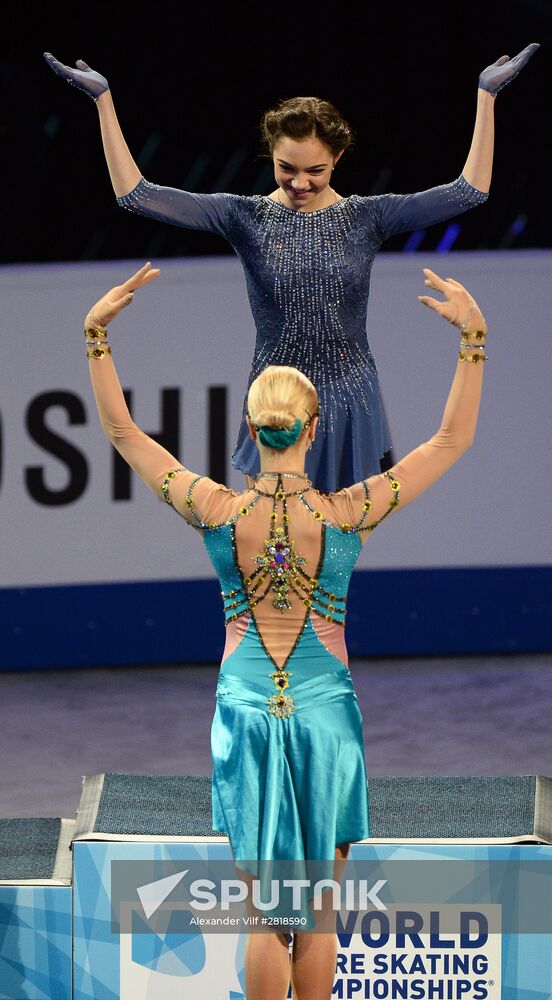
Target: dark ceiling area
x,y
190,85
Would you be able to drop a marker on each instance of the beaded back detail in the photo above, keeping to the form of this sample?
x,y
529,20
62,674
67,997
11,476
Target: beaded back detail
x,y
280,561
302,563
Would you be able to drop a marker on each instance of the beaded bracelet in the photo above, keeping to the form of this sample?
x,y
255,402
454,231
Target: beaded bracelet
x,y
472,357
471,347
98,352
475,334
97,332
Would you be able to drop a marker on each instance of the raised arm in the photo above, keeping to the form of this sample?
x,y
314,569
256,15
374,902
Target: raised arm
x,y
182,208
418,470
401,213
123,171
149,459
479,164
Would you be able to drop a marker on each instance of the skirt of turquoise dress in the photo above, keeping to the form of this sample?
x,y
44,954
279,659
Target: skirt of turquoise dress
x,y
288,789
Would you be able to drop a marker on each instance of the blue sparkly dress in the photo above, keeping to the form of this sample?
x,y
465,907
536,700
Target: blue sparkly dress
x,y
289,777
308,281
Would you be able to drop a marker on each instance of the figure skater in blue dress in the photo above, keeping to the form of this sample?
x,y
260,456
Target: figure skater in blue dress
x,y
289,777
307,254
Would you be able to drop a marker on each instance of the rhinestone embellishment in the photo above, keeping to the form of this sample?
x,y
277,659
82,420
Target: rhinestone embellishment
x,y
166,482
280,571
280,705
280,560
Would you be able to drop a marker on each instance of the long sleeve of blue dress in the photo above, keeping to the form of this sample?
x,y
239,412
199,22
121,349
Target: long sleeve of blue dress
x,y
399,213
308,282
395,213
182,208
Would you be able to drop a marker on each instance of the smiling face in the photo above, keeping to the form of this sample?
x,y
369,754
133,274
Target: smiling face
x,y
303,170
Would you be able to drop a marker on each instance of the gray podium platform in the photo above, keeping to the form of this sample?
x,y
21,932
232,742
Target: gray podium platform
x,y
36,851
401,808
154,836
58,940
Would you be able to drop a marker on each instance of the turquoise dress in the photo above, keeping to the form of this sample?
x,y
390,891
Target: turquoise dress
x,y
288,788
289,777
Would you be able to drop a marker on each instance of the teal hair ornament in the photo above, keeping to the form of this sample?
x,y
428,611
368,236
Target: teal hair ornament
x,y
280,437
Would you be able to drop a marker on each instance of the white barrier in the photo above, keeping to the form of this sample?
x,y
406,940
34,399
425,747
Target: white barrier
x,y
192,330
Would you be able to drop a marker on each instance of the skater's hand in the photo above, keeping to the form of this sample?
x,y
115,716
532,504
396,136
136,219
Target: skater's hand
x,y
82,77
504,70
459,306
117,298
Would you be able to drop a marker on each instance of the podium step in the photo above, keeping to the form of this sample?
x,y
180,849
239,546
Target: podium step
x,y
36,850
510,808
146,805
36,939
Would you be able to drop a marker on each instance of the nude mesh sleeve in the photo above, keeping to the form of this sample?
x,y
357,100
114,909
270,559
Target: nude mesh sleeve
x,y
148,458
423,466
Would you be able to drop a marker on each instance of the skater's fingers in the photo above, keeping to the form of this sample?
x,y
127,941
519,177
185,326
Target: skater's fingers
x,y
60,68
145,274
432,303
151,276
434,281
123,301
526,53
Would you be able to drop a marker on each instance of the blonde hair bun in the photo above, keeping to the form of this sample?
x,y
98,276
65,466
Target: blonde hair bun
x,y
278,397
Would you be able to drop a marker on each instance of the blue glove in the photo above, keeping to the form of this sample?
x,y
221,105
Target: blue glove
x,y
496,76
82,77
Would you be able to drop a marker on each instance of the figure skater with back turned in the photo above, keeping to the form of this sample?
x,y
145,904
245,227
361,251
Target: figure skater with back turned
x,y
307,254
288,766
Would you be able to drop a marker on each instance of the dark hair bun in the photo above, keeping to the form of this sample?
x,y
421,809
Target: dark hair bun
x,y
302,117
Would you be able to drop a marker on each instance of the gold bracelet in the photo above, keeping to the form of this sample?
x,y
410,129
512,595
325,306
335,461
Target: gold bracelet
x,y
473,334
98,332
98,352
472,357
